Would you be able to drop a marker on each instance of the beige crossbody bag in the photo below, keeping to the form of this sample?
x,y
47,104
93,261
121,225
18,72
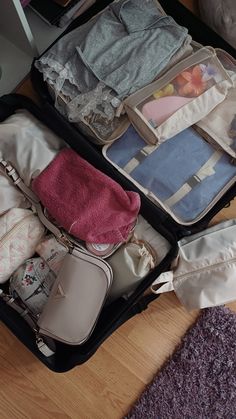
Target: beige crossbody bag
x,y
79,291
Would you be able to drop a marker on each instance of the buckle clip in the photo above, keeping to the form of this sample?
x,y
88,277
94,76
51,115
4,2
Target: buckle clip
x,y
10,171
193,181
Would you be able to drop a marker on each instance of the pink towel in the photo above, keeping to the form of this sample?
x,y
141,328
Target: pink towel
x,y
85,202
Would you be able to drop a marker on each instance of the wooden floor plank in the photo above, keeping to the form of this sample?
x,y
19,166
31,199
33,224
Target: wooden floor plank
x,y
6,340
57,387
20,398
119,385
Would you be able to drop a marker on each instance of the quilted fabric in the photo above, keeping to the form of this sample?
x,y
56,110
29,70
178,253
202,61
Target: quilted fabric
x,y
20,233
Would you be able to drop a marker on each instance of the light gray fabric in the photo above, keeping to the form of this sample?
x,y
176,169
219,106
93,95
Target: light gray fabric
x,y
126,46
128,26
220,15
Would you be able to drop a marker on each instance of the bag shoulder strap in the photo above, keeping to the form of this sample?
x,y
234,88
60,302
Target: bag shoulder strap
x,y
14,176
25,314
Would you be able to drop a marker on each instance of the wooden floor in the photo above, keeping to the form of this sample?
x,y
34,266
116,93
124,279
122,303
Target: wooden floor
x,y
108,384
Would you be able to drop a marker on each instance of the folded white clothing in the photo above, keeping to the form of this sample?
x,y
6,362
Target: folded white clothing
x,y
29,146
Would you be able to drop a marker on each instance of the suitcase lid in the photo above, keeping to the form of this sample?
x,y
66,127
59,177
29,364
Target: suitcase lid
x,y
201,34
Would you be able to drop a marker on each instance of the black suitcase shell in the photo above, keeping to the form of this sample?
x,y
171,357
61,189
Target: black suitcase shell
x,y
116,313
121,310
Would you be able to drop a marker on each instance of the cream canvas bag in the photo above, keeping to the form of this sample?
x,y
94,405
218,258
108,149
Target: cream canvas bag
x,y
204,273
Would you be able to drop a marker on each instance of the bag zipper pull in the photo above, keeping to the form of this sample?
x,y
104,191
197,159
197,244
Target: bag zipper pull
x,y
63,239
43,347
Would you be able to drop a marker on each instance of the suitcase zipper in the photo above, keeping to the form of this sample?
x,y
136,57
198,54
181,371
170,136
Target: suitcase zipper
x,y
203,54
207,137
186,275
217,146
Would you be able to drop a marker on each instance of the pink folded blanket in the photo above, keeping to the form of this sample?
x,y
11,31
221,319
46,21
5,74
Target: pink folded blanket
x,y
84,201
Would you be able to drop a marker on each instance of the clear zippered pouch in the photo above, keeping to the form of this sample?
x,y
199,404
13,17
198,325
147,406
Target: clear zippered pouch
x,y
185,175
204,273
97,126
180,98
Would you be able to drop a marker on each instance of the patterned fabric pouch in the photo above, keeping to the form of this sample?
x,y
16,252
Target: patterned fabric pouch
x,y
32,283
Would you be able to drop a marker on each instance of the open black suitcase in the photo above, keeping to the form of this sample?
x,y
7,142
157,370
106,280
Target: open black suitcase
x,y
120,310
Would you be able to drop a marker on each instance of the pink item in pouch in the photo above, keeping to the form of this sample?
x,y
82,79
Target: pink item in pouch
x,y
85,202
159,110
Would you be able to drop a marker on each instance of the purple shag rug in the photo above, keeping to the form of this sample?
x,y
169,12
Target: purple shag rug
x,y
199,380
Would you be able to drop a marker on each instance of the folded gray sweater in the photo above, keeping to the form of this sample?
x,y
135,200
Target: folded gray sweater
x,y
125,47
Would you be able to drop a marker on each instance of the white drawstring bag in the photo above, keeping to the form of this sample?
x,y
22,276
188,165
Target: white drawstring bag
x,y
135,259
204,273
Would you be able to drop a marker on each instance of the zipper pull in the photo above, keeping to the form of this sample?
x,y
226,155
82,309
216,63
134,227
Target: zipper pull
x,y
43,347
63,239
